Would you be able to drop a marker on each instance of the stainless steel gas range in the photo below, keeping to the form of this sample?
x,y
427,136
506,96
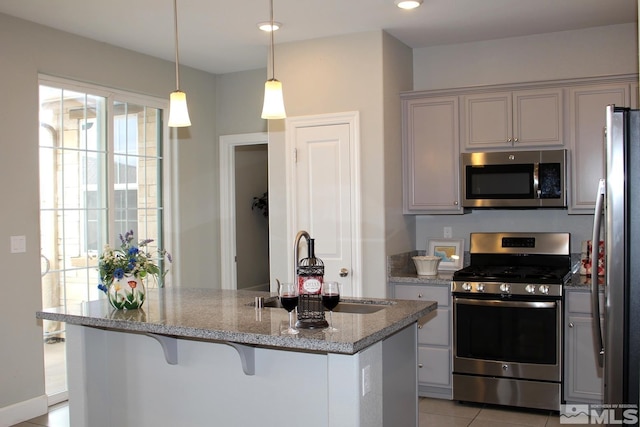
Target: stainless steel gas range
x,y
507,319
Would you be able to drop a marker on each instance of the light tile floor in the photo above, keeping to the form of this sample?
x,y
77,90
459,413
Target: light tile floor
x,y
58,416
449,413
433,413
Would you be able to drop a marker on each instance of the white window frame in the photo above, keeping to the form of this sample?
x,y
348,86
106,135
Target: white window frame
x,y
169,178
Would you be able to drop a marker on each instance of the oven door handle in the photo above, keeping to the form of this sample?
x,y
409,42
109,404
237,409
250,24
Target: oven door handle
x,y
500,303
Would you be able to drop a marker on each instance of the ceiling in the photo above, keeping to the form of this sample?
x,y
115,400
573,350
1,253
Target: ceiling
x,y
222,36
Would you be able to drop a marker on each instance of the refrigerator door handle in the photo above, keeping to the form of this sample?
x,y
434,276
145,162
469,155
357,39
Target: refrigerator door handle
x,y
595,245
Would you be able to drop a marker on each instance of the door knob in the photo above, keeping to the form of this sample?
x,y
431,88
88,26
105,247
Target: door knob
x,y
344,272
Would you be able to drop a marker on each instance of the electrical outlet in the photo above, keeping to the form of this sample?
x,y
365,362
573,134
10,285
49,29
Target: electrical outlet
x,y
447,232
366,380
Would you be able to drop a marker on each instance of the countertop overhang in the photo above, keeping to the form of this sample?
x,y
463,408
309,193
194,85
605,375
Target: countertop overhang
x,y
228,316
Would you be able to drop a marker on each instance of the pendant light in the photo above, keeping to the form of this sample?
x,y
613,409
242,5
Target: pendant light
x,y
178,111
273,107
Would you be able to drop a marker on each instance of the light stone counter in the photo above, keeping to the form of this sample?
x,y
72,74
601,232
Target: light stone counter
x,y
228,316
222,361
401,269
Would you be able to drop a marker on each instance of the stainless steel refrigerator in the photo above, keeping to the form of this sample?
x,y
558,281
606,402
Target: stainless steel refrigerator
x,y
617,222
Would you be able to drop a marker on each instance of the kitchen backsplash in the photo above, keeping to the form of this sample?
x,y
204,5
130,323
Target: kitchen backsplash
x,y
492,220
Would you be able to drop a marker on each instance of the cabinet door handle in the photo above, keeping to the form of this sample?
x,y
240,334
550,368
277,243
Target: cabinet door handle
x,y
419,326
515,140
571,324
419,295
419,365
509,140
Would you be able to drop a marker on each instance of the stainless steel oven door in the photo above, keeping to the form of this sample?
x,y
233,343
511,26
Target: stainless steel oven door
x,y
511,337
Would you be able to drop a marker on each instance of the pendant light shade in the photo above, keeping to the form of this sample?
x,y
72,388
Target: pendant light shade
x,y
178,111
273,106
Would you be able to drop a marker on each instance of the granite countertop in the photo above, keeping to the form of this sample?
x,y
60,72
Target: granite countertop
x,y
579,282
401,269
229,316
442,278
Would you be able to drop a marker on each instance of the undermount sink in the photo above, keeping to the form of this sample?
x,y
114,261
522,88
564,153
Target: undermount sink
x,y
352,307
358,307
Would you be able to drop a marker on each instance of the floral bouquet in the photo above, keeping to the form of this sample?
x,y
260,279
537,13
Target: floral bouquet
x,y
122,270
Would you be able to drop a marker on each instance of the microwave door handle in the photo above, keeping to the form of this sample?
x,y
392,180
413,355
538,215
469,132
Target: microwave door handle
x,y
595,244
536,180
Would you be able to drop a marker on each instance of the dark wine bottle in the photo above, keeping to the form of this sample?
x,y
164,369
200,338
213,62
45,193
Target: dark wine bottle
x,y
310,275
310,272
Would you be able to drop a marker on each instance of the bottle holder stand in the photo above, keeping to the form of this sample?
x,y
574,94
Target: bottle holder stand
x,y
311,312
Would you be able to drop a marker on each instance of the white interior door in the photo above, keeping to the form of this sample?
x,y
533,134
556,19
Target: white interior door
x,y
325,196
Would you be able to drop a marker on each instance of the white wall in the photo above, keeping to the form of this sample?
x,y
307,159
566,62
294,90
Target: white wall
x,y
400,230
569,54
28,49
239,102
339,74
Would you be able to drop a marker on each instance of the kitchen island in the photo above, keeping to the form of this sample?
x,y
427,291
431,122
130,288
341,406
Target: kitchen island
x,y
194,357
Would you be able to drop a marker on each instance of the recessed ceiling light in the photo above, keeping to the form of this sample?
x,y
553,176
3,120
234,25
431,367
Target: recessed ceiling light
x,y
408,4
266,26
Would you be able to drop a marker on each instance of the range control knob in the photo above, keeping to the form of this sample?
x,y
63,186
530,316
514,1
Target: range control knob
x,y
480,287
466,286
505,287
544,289
530,288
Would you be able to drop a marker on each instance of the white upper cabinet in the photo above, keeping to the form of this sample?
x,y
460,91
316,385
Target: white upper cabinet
x,y
430,151
502,120
587,139
438,125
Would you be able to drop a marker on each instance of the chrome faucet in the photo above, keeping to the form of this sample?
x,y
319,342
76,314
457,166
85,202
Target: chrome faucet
x,y
299,237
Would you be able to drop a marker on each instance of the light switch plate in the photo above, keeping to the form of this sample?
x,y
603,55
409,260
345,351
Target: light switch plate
x,y
18,244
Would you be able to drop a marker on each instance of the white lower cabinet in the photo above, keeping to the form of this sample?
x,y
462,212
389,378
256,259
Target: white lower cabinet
x,y
582,375
434,338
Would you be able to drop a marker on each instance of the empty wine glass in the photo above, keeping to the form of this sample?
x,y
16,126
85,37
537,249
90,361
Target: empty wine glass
x,y
288,293
330,299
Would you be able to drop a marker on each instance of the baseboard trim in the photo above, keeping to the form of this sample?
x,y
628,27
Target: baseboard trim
x,y
23,411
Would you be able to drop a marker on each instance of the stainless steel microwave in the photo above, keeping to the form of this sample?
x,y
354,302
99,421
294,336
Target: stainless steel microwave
x,y
514,179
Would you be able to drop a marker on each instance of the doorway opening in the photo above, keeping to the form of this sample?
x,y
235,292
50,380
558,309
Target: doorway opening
x,y
244,231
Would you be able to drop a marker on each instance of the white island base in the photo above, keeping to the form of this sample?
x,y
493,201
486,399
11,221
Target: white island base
x,y
122,378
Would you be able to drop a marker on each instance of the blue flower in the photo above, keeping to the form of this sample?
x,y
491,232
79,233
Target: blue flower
x,y
133,250
102,287
118,273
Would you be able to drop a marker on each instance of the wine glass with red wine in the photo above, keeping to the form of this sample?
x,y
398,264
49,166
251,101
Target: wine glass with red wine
x,y
289,300
330,299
